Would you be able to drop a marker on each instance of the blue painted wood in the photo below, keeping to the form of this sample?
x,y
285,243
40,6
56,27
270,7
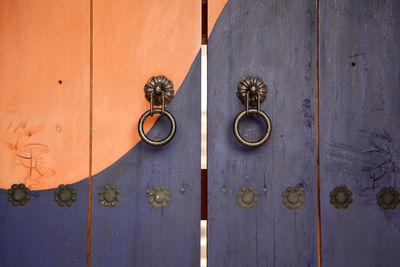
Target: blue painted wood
x,y
360,129
43,234
275,40
134,233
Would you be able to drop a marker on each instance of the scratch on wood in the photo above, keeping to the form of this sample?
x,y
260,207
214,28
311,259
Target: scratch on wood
x,y
25,154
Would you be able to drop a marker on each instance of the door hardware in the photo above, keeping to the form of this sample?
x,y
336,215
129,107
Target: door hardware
x,y
158,91
252,92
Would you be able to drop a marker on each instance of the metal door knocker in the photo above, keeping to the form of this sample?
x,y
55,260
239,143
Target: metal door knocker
x,y
252,92
159,91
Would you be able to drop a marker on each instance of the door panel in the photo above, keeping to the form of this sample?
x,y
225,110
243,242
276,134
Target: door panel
x,y
133,233
134,41
276,41
44,137
360,129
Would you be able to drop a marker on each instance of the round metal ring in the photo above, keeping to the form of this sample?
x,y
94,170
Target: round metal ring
x,y
152,142
257,142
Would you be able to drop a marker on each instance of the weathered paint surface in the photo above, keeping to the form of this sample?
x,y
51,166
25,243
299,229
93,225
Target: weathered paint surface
x,y
360,129
43,234
45,117
44,103
133,41
44,108
134,233
276,41
44,85
214,10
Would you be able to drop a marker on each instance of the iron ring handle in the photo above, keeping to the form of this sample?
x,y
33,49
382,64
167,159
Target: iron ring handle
x,y
245,142
153,142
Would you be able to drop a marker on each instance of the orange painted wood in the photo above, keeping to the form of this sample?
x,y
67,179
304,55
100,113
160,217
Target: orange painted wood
x,y
133,41
44,87
214,10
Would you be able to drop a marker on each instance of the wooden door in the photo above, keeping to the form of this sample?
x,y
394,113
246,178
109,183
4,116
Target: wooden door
x,y
360,131
274,40
44,120
154,38
332,72
321,191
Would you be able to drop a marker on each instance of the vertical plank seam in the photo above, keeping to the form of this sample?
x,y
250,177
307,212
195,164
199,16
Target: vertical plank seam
x,y
90,133
204,139
317,132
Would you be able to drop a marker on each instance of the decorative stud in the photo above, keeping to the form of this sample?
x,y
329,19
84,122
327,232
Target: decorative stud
x,y
388,198
182,189
65,195
264,189
18,194
340,197
159,197
223,189
109,195
293,197
247,197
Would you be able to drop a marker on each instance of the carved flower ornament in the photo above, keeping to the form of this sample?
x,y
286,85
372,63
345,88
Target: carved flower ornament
x,y
254,86
156,86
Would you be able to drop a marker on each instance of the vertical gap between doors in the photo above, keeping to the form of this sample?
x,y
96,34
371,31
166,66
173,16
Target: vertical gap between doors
x,y
90,132
317,115
204,176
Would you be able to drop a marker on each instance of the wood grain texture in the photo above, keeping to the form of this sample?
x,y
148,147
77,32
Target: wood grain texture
x,y
215,8
134,233
44,86
133,41
276,41
43,234
360,129
44,117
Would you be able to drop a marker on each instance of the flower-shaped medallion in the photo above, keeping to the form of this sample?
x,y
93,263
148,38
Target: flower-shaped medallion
x,y
159,196
109,195
247,197
388,198
340,197
157,86
18,194
293,197
255,87
65,195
